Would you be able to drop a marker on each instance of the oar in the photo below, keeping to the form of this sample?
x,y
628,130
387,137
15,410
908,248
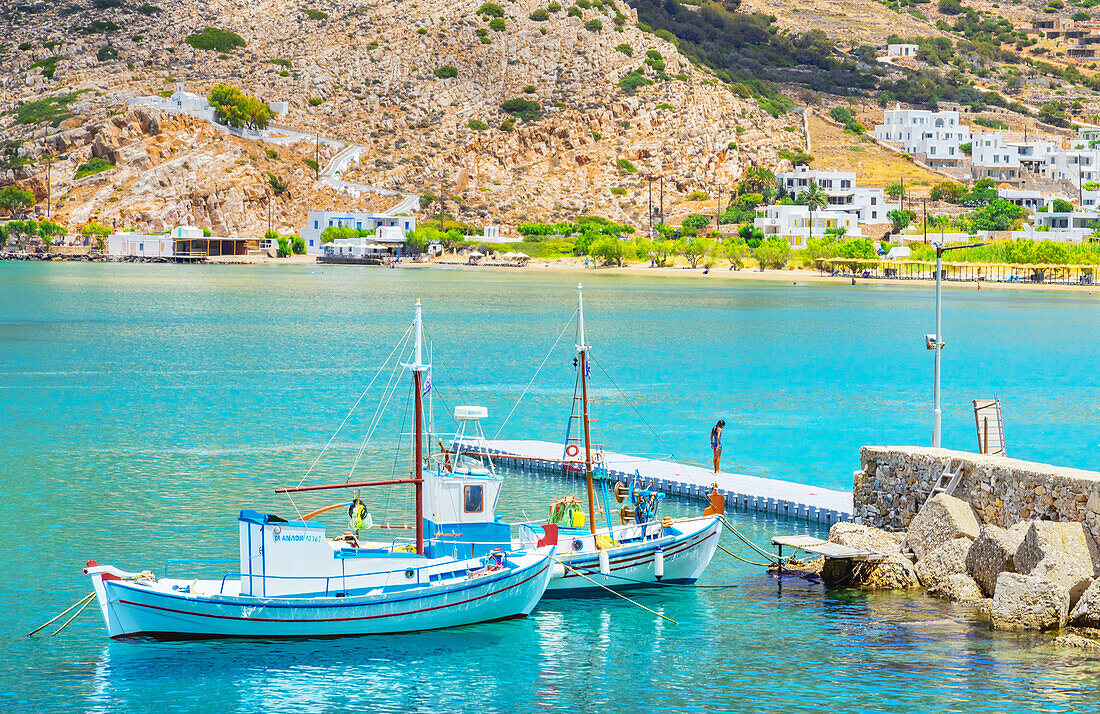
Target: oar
x,y
624,597
82,601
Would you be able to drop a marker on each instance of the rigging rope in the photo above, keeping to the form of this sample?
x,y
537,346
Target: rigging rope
x,y
354,406
536,374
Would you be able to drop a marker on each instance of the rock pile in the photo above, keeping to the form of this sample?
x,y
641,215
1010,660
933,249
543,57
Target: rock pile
x,y
1034,575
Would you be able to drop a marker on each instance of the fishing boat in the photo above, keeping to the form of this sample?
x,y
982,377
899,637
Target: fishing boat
x,y
643,548
295,581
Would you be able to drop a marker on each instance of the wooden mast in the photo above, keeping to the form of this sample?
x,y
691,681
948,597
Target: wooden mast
x,y
582,349
418,457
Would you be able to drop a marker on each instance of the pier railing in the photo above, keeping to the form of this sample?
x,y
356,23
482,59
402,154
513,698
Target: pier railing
x,y
1036,274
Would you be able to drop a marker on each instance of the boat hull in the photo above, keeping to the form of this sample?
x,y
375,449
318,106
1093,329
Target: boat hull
x,y
686,555
136,609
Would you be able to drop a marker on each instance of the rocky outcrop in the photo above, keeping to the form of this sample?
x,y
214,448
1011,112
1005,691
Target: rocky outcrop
x,y
1077,642
1028,602
936,568
1062,553
1086,613
895,572
960,587
942,519
993,553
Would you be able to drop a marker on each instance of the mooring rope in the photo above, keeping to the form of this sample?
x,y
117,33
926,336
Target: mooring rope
x,y
624,597
81,603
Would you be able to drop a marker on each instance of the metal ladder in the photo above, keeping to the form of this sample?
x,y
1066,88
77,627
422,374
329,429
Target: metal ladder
x,y
990,425
948,481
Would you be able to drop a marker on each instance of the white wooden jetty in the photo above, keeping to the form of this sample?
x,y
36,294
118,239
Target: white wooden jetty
x,y
784,498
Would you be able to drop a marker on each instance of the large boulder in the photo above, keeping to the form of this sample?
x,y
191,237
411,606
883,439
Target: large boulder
x,y
894,572
869,538
961,587
1028,602
936,568
993,553
1086,613
942,519
1062,552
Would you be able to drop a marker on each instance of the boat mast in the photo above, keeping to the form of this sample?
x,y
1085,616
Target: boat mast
x,y
418,368
582,350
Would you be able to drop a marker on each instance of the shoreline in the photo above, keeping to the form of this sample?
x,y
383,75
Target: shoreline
x,y
794,276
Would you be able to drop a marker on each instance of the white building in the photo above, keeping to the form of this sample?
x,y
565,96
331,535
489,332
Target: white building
x,y
318,221
1078,166
870,205
140,245
901,50
1008,157
792,222
1028,199
1073,227
934,136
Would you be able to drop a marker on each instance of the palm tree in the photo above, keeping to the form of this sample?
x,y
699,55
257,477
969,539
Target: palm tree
x,y
757,179
814,197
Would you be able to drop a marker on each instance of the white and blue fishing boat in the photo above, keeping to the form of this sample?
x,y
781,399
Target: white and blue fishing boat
x,y
643,548
295,581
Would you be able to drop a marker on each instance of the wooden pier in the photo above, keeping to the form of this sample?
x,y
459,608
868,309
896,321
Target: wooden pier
x,y
751,493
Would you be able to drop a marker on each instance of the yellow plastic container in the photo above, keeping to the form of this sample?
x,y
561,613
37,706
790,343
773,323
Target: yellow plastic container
x,y
578,518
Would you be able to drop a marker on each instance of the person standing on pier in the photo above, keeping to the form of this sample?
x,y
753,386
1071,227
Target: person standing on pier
x,y
716,442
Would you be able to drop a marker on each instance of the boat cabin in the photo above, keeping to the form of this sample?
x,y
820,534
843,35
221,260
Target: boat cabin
x,y
460,496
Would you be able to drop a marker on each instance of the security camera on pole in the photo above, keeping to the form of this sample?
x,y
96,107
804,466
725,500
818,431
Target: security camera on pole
x,y
935,342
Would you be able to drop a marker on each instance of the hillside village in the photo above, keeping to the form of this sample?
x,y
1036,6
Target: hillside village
x,y
541,122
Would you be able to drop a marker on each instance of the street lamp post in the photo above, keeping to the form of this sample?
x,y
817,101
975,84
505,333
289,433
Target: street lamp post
x,y
935,342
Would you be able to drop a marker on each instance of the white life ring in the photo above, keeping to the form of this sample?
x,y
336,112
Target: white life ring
x,y
598,457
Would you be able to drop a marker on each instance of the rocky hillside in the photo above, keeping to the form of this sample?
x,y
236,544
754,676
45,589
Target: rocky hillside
x,y
424,86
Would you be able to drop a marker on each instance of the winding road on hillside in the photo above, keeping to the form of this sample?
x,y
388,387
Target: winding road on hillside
x,y
330,174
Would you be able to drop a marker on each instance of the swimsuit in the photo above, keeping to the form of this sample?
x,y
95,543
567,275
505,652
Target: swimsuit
x,y
715,441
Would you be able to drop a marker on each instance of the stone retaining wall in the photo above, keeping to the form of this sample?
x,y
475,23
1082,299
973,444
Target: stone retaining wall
x,y
894,482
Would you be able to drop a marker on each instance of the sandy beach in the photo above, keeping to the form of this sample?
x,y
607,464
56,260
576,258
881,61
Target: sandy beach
x,y
794,276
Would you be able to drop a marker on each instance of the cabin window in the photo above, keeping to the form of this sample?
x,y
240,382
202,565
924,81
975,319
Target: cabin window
x,y
473,500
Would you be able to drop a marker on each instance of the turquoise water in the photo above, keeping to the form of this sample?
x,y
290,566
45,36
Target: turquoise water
x,y
142,405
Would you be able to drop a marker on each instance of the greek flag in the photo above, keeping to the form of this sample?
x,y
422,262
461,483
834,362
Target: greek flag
x,y
427,386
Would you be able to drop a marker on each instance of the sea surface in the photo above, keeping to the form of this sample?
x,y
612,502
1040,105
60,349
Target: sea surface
x,y
141,406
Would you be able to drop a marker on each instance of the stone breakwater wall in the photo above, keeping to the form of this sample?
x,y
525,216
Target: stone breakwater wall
x,y
894,482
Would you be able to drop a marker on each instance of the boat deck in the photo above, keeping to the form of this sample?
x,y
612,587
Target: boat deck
x,y
785,498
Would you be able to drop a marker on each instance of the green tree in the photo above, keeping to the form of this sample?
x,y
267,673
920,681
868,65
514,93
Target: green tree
x,y
948,191
662,249
337,232
773,252
1061,206
693,249
895,189
999,215
284,247
820,249
735,249
234,108
15,200
757,180
608,249
417,241
751,235
693,223
899,220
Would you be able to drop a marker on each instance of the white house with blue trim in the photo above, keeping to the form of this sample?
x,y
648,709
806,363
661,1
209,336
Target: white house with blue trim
x,y
386,228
